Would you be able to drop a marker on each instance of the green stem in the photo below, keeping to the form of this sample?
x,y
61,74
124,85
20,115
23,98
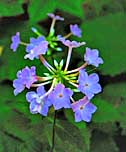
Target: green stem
x,y
53,132
23,43
68,35
51,33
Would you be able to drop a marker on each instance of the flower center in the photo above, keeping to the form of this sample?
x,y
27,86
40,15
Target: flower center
x,y
60,95
81,107
86,85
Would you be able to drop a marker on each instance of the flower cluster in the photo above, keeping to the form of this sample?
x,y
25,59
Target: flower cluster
x,y
64,82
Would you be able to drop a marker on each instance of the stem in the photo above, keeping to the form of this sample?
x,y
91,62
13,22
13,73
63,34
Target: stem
x,y
23,43
52,26
73,75
49,91
78,69
53,132
40,84
68,35
68,58
43,78
72,100
36,31
74,84
46,64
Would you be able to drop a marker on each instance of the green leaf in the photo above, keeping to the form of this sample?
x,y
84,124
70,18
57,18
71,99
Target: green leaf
x,y
11,8
107,34
38,10
69,139
103,7
86,134
103,142
106,112
107,127
115,94
75,8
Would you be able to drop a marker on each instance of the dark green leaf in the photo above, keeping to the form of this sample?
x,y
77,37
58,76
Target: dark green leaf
x,y
38,10
11,7
75,8
103,142
106,112
108,35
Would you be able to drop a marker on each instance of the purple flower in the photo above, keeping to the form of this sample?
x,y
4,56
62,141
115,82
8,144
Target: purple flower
x,y
60,38
36,47
56,17
89,84
38,105
92,57
75,30
83,109
15,41
72,44
60,97
26,77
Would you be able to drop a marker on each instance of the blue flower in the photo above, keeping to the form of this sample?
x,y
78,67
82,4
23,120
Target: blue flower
x,y
75,30
26,77
83,109
36,47
72,44
15,41
92,57
38,105
60,38
89,84
60,97
56,17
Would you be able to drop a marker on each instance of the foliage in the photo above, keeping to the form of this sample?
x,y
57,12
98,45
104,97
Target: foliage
x,y
103,25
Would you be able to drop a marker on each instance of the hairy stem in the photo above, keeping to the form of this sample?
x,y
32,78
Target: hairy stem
x,y
52,26
74,84
42,79
68,58
40,84
50,90
46,64
78,69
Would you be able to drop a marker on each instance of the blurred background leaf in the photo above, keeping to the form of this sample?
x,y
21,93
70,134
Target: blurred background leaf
x,y
11,7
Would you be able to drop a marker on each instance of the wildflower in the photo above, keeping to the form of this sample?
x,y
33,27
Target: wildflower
x,y
83,109
60,38
38,105
89,84
60,97
56,17
26,77
75,30
36,47
92,57
15,41
73,44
